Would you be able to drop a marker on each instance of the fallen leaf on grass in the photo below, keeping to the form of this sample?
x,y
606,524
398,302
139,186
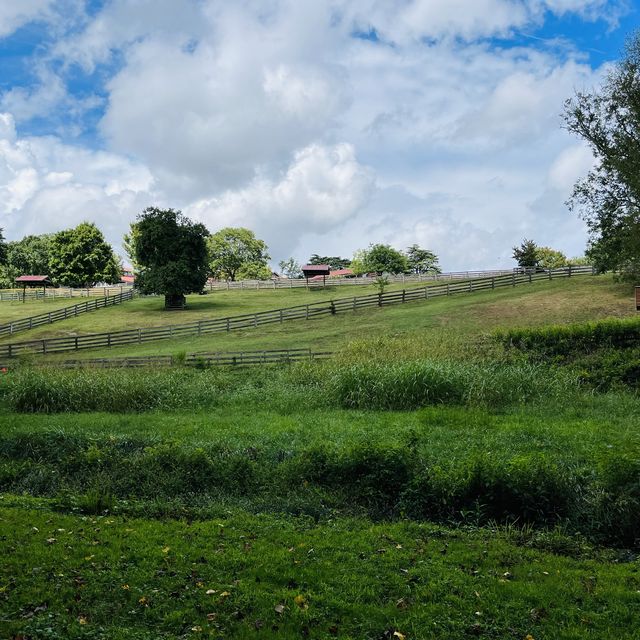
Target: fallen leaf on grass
x,y
301,601
397,634
82,620
279,609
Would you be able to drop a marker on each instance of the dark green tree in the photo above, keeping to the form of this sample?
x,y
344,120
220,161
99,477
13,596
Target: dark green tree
x,y
81,257
335,262
608,198
30,256
526,255
383,258
422,260
3,249
236,250
170,252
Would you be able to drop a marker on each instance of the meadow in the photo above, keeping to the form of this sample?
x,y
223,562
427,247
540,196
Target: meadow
x,y
463,467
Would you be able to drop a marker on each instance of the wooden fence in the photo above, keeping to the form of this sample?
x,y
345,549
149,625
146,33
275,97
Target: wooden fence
x,y
54,293
288,283
23,324
207,359
300,312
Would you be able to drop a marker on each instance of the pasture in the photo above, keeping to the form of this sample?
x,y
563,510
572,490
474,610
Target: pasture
x,y
427,481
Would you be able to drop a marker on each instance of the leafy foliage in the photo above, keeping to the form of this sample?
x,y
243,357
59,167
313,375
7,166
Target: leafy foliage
x,y
383,258
422,260
549,258
526,255
290,268
170,251
335,262
235,252
81,257
608,198
3,249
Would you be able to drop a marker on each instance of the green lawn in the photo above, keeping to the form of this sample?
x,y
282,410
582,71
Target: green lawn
x,y
10,311
241,576
437,327
256,507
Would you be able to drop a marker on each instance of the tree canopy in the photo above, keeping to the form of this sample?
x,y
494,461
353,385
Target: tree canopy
x,y
422,260
81,257
170,253
3,249
383,258
549,258
608,198
526,255
335,262
236,252
291,268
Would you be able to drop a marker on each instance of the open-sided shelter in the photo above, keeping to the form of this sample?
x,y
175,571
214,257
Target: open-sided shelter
x,y
314,270
33,281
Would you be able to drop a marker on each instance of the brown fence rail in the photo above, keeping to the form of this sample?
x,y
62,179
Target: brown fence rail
x,y
295,283
207,359
300,312
53,293
24,324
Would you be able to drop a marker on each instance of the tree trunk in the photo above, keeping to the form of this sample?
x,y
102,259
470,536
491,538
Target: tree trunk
x,y
174,301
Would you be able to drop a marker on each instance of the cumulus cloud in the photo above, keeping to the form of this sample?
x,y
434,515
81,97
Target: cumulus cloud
x,y
46,186
14,14
323,126
321,189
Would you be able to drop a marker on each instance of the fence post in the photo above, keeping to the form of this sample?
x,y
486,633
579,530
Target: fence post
x,y
307,312
550,274
281,316
199,327
332,308
569,270
139,335
76,343
513,279
448,289
379,299
426,293
228,325
470,286
530,280
493,282
44,346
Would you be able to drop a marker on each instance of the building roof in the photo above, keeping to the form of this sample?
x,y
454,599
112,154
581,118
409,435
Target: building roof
x,y
317,269
34,279
341,272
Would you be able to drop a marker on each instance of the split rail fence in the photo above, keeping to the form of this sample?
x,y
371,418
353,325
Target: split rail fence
x,y
208,359
300,312
17,295
295,283
24,324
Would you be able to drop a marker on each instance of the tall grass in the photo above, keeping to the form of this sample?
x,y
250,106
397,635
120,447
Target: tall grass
x,y
360,385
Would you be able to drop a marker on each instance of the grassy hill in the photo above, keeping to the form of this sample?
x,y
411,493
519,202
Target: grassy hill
x,y
426,482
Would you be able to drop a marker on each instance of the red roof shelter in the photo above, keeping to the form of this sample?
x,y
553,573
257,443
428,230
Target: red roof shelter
x,y
315,270
32,281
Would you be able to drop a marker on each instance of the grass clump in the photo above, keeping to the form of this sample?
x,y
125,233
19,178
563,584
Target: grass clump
x,y
413,384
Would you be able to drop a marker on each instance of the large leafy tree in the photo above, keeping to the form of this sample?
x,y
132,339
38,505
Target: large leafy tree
x,y
170,253
383,258
236,252
291,268
335,262
422,260
526,255
549,258
608,198
81,257
30,255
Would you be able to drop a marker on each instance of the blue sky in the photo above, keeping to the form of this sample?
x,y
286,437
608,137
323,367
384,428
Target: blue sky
x,y
323,126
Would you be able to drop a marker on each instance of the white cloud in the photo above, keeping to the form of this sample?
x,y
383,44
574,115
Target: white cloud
x,y
273,116
14,14
322,188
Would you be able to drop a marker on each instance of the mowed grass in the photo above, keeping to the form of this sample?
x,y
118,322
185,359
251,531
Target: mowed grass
x,y
441,327
149,310
10,311
242,576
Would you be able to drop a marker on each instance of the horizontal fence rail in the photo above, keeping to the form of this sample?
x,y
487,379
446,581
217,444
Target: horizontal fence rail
x,y
207,359
24,324
54,293
295,283
300,312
